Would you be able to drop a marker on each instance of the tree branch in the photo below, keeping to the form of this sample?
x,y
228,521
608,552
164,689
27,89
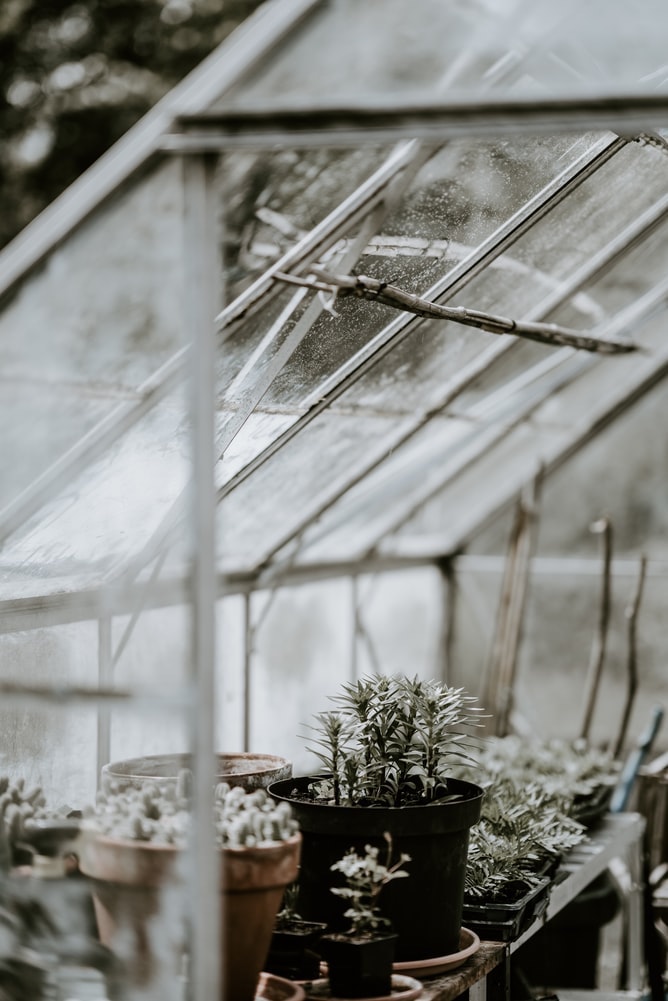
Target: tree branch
x,y
374,290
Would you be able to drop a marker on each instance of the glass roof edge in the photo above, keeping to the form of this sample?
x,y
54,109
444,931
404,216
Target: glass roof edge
x,y
219,71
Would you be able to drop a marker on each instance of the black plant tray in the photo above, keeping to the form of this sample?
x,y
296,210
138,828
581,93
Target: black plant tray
x,y
501,921
591,808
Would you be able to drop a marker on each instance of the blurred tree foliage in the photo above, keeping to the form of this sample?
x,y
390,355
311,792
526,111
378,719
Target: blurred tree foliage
x,y
75,76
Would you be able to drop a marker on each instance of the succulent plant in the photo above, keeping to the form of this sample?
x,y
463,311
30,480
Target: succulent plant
x,y
160,813
365,877
18,806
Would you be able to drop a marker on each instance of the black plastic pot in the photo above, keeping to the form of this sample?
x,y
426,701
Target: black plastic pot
x,y
294,951
359,967
425,909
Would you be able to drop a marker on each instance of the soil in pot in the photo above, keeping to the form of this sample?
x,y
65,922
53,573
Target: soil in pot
x,y
426,909
359,967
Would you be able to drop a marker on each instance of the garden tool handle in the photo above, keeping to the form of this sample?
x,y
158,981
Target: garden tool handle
x,y
634,762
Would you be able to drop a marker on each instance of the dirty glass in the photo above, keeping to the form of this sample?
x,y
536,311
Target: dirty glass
x,y
463,51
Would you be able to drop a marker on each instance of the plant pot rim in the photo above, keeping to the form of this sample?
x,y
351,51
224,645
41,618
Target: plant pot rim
x,y
232,767
90,832
438,816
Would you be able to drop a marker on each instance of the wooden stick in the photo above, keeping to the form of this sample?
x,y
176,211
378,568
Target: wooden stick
x,y
510,617
374,290
597,657
632,662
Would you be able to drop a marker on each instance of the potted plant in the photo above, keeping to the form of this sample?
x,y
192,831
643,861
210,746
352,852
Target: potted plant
x,y
387,750
360,958
523,833
132,850
293,951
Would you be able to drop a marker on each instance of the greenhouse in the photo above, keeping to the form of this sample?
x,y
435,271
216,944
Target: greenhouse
x,y
333,402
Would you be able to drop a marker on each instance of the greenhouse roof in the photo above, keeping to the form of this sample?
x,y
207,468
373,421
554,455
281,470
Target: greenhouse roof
x,y
513,298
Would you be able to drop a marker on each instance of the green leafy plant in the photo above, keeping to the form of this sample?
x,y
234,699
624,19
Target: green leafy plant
x,y
392,741
160,813
568,770
365,877
522,830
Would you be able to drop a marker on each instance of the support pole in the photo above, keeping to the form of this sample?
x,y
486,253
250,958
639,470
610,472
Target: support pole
x,y
201,257
105,678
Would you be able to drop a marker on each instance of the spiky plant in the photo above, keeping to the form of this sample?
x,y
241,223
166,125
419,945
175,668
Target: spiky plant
x,y
392,740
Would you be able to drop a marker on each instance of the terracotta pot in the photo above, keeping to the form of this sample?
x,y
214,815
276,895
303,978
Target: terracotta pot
x,y
254,880
138,892
243,768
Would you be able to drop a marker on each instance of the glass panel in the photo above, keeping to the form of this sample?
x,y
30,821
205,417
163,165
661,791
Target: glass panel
x,y
464,50
104,309
271,199
444,217
106,515
282,493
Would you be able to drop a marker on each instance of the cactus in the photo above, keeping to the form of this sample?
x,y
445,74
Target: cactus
x,y
160,814
18,806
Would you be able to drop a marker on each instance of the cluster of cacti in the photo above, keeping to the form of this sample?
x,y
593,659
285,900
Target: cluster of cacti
x,y
160,813
155,811
17,805
247,819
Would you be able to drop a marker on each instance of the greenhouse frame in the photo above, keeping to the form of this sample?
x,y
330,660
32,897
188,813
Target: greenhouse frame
x,y
348,358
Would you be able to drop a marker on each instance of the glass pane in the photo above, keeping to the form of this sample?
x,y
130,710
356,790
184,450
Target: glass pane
x,y
107,514
465,51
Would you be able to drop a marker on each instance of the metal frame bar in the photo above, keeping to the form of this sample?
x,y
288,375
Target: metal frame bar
x,y
331,124
200,303
105,680
353,208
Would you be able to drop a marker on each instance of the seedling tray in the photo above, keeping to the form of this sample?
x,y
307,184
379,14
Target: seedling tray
x,y
499,921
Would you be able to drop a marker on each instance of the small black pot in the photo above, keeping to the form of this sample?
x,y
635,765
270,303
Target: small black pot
x,y
359,967
294,951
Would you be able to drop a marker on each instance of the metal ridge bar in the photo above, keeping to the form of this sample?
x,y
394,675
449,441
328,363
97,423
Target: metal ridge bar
x,y
492,247
397,118
22,614
238,53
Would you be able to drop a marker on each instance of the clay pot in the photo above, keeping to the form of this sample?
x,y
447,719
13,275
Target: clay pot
x,y
243,768
138,892
254,880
